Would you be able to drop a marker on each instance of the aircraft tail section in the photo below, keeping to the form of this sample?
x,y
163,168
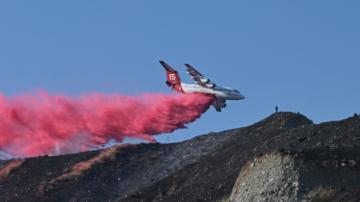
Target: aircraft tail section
x,y
173,78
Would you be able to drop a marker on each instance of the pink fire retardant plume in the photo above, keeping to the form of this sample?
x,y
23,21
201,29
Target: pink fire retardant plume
x,y
32,125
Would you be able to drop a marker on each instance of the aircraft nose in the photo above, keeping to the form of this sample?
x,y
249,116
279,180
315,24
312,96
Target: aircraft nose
x,y
241,96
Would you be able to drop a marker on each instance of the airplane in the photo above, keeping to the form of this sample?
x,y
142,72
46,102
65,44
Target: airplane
x,y
203,85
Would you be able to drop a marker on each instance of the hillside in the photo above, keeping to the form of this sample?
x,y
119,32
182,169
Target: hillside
x,y
205,168
213,176
100,175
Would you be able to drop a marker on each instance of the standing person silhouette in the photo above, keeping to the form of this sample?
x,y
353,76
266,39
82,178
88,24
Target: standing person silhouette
x,y
276,108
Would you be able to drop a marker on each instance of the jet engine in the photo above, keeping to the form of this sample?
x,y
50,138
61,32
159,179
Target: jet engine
x,y
222,105
205,80
210,85
219,100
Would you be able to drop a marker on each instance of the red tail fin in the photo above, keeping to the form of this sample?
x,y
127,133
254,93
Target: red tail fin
x,y
173,78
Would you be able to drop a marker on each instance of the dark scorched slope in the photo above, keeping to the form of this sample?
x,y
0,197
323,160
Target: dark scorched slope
x,y
109,174
212,177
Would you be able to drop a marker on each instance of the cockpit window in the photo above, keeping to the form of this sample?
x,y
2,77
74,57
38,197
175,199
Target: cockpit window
x,y
236,91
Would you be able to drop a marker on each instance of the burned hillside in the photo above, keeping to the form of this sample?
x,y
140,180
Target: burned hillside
x,y
213,176
205,168
100,175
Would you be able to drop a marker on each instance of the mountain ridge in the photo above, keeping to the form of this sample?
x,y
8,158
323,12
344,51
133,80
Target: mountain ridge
x,y
213,176
204,168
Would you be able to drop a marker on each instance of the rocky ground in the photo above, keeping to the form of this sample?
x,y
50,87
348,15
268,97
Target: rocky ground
x,y
205,168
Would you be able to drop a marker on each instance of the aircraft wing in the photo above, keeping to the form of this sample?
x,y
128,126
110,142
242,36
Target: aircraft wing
x,y
199,78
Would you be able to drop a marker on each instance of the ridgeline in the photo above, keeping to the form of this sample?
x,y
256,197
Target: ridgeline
x,y
284,157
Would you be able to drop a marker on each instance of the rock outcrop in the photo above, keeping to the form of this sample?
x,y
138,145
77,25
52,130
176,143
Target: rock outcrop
x,y
290,176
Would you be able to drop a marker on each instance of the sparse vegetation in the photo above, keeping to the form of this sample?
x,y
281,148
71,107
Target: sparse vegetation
x,y
134,195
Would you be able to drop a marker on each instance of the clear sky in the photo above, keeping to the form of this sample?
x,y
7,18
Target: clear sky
x,y
303,56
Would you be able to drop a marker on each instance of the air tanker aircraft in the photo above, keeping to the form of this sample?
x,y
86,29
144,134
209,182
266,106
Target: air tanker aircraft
x,y
203,85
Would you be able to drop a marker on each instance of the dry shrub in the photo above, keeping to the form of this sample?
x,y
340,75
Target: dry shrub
x,y
12,165
77,169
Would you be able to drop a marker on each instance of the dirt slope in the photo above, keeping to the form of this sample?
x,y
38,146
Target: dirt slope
x,y
213,176
100,175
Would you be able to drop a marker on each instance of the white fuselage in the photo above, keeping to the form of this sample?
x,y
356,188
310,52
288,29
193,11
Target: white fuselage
x,y
218,91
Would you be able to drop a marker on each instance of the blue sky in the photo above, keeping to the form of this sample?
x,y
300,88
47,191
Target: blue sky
x,y
300,55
